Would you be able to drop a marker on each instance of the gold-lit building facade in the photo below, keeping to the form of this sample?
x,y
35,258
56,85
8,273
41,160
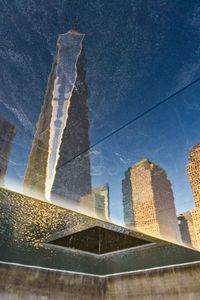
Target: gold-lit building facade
x,y
193,169
148,201
196,223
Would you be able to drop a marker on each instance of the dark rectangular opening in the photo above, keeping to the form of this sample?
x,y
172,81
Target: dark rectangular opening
x,y
98,240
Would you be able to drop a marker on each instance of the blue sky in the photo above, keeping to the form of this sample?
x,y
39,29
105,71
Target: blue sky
x,y
138,52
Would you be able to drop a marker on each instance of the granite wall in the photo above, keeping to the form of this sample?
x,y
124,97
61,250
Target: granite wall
x,y
178,282
22,283
28,283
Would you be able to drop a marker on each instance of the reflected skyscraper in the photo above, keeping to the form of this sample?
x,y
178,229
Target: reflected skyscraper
x,y
101,201
62,128
148,201
193,169
187,228
7,134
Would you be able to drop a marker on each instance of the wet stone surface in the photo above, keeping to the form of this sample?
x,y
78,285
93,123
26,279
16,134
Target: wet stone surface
x,y
27,224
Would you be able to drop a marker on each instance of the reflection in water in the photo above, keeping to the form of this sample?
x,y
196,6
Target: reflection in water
x,y
57,172
73,179
7,133
148,201
62,129
193,169
101,201
186,228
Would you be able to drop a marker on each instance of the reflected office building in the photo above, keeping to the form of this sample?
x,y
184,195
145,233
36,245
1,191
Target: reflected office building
x,y
148,201
186,227
193,169
101,202
55,169
7,134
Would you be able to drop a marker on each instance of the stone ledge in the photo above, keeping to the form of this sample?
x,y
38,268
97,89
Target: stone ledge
x,y
174,282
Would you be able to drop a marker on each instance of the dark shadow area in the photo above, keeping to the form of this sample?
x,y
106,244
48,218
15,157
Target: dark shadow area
x,y
99,240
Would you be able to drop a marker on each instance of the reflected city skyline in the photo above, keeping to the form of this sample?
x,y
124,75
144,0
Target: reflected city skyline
x,y
100,149
129,69
148,199
61,166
